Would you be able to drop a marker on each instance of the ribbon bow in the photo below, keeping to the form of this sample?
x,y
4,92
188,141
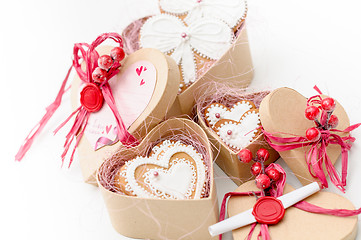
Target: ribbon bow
x,y
317,156
277,191
230,11
90,56
208,37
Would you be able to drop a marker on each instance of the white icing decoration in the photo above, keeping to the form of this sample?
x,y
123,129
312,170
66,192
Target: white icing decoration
x,y
161,157
230,11
176,182
235,113
210,38
242,132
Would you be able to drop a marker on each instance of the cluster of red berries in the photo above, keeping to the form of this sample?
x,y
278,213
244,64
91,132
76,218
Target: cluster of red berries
x,y
107,62
264,179
325,110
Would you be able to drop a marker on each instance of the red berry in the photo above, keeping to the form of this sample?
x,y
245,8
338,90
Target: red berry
x,y
117,54
263,181
273,174
105,62
262,154
256,168
99,75
333,121
313,134
312,112
245,155
328,104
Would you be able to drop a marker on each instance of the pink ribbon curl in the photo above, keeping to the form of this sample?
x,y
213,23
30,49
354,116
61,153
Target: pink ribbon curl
x,y
277,191
88,54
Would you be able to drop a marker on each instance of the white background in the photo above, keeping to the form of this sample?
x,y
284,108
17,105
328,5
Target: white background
x,y
293,43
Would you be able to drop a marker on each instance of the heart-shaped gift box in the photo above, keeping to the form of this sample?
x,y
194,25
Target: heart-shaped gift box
x,y
227,158
152,218
144,90
283,115
297,223
233,68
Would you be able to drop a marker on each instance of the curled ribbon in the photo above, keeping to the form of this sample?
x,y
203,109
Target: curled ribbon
x,y
317,156
90,56
277,191
104,141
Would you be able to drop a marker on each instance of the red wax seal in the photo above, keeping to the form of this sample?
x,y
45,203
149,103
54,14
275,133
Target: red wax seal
x,y
91,98
268,210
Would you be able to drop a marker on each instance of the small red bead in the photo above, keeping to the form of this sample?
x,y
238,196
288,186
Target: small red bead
x,y
328,104
256,168
333,121
262,154
229,132
99,75
105,62
155,173
117,54
263,181
312,112
313,134
273,174
245,155
217,115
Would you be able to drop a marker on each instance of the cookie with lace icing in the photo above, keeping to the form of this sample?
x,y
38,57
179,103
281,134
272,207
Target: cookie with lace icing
x,y
233,12
193,45
239,134
217,111
172,171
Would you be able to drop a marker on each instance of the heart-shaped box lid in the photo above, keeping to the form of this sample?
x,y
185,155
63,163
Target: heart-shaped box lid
x,y
298,224
160,218
141,110
283,114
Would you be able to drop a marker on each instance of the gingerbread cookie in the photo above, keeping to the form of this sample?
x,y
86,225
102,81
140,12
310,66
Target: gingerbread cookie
x,y
233,12
172,171
239,134
216,111
193,45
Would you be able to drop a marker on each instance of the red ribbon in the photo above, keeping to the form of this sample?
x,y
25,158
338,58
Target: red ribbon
x,y
90,56
317,155
277,191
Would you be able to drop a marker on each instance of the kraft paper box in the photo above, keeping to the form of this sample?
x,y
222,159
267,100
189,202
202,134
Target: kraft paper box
x,y
298,224
159,218
144,90
226,158
283,114
234,68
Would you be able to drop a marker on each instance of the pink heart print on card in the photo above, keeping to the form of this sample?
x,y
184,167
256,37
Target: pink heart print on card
x,y
132,92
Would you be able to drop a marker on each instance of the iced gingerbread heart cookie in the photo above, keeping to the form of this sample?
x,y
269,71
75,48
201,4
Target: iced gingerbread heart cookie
x,y
172,171
239,134
193,45
217,111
